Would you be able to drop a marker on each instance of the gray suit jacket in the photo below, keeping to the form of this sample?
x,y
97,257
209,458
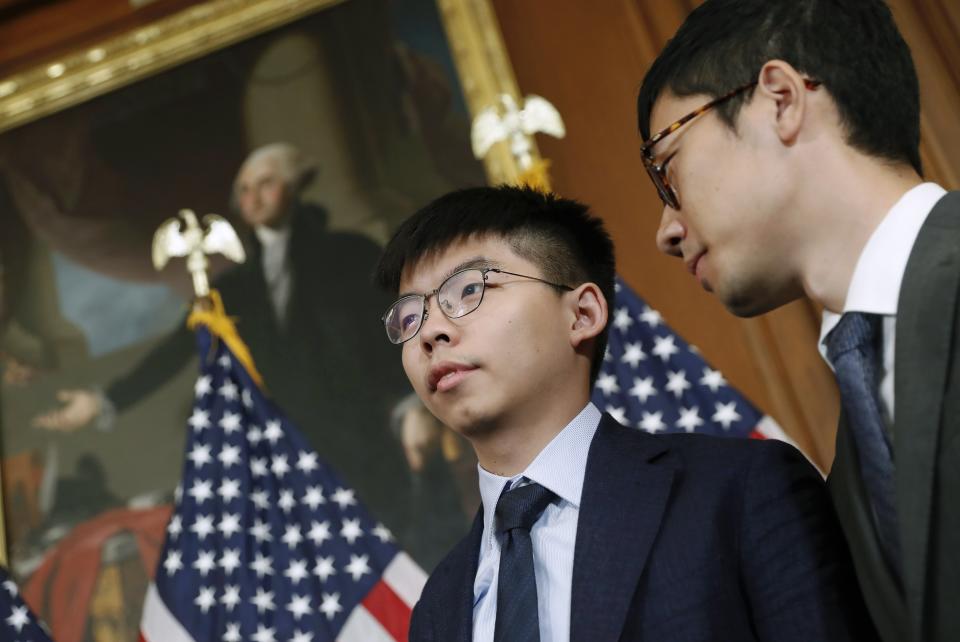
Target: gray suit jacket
x,y
926,436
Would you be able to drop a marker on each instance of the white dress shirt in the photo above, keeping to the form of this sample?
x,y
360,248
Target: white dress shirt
x,y
560,467
276,270
875,286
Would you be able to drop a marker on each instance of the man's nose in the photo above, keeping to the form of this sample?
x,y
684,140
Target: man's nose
x,y
436,327
671,232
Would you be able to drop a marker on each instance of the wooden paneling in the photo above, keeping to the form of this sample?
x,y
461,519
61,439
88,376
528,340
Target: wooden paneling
x,y
588,58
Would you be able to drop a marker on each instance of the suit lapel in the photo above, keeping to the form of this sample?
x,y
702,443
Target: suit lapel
x,y
621,507
925,321
454,614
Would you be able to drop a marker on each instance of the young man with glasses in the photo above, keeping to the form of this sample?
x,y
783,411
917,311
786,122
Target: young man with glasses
x,y
783,137
587,530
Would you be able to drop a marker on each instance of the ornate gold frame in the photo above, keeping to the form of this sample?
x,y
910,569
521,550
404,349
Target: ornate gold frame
x,y
472,31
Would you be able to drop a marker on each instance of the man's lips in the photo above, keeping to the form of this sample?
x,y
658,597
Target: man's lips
x,y
694,263
447,375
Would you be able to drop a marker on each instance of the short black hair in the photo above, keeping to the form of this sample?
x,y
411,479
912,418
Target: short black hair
x,y
559,235
853,47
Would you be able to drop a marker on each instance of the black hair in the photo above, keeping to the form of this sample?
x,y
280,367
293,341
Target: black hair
x,y
853,47
559,235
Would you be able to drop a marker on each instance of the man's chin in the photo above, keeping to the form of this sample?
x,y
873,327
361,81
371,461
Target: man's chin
x,y
470,423
748,304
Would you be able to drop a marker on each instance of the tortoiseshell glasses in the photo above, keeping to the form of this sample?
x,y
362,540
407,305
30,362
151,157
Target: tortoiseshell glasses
x,y
657,172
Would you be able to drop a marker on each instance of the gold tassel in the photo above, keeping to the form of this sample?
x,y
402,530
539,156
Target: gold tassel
x,y
220,325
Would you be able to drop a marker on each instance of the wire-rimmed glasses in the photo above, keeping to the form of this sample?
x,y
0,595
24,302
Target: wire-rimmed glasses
x,y
460,294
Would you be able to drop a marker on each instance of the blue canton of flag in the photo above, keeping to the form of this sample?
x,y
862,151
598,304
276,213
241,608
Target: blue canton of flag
x,y
266,543
17,622
652,380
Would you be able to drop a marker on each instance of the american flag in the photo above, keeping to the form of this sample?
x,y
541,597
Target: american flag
x,y
17,621
266,543
653,380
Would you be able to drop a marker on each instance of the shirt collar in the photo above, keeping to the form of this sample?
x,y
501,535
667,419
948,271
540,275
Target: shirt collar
x,y
875,286
270,237
560,466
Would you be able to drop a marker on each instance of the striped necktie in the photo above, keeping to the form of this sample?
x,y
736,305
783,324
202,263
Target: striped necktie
x,y
516,512
851,348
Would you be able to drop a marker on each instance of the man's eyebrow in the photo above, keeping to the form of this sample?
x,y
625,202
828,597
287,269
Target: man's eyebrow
x,y
477,262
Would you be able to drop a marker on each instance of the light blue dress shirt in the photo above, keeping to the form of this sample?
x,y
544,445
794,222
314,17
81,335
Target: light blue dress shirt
x,y
560,467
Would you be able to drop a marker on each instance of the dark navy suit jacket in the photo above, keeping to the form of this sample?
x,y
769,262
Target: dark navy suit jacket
x,y
686,537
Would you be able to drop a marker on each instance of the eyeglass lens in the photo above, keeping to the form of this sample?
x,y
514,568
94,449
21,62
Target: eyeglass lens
x,y
457,296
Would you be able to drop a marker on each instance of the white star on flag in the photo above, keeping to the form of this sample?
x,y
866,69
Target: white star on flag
x,y
202,387
324,568
206,598
232,634
205,562
299,606
229,524
313,497
230,560
726,414
621,319
18,618
351,530
230,422
664,347
273,432
228,391
307,462
619,414
319,532
633,354
231,597
712,379
297,571
202,526
652,422
264,634
331,605
651,317
677,383
608,384
689,419
358,566
343,497
643,389
199,420
229,490
200,455
263,600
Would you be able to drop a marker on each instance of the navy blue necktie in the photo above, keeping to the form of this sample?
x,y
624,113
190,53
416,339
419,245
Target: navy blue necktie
x,y
516,512
852,349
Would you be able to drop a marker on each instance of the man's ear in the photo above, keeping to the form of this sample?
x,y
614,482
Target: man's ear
x,y
589,313
781,83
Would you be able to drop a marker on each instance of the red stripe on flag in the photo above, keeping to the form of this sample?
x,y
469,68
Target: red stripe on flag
x,y
757,435
387,607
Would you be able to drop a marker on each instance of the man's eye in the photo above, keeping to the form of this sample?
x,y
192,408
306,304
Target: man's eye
x,y
408,321
666,165
471,289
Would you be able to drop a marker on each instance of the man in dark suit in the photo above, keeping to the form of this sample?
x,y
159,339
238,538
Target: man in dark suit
x,y
783,137
588,530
